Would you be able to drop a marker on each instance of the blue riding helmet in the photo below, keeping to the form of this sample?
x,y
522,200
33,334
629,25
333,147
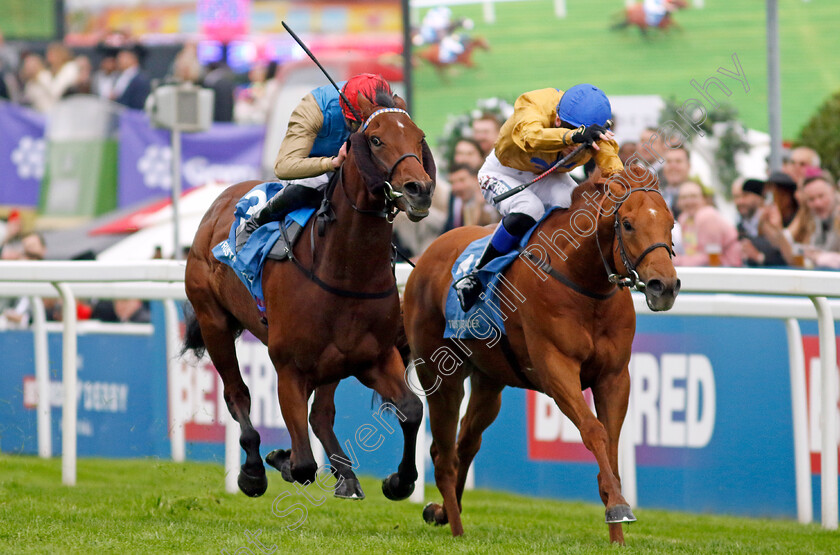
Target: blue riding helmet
x,y
584,105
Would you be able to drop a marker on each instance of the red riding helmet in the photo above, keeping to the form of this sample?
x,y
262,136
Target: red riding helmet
x,y
366,84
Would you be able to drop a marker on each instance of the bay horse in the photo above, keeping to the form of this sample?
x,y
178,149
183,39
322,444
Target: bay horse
x,y
331,312
565,334
634,15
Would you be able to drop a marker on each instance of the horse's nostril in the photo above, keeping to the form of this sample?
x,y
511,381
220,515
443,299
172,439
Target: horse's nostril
x,y
655,286
677,286
413,188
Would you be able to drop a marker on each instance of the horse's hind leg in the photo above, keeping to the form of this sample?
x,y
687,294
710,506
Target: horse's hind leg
x,y
482,410
322,419
611,395
388,379
219,335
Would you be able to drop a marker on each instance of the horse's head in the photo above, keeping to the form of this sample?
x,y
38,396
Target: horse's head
x,y
392,156
643,226
479,42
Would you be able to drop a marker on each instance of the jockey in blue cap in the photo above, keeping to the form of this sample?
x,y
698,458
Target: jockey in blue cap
x,y
546,125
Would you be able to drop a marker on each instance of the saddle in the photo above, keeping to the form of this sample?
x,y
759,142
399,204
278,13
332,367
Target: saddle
x,y
246,254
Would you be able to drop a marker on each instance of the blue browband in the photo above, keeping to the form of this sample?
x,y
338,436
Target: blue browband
x,y
382,111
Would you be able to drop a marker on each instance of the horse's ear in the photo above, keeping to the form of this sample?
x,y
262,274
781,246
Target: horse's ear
x,y
363,159
429,162
399,102
366,106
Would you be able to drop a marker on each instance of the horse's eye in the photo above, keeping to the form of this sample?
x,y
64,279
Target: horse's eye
x,y
627,226
375,141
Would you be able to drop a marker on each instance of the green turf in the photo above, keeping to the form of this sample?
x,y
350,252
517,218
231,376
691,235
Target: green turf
x,y
533,49
150,506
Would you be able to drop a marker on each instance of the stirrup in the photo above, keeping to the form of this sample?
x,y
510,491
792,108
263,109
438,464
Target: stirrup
x,y
468,289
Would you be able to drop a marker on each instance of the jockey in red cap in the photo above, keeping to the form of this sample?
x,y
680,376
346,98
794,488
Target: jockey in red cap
x,y
366,84
314,145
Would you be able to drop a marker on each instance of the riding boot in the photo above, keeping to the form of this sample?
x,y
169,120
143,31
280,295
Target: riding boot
x,y
288,199
507,235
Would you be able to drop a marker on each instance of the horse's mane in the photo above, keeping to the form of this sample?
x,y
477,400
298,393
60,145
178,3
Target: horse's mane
x,y
645,179
578,198
383,98
588,195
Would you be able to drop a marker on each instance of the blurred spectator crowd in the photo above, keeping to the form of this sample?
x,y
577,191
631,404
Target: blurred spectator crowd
x,y
115,71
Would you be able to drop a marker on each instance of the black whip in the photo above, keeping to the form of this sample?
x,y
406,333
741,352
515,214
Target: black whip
x,y
314,59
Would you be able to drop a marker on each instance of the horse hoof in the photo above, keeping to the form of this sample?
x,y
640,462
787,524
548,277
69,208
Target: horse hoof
x,y
281,459
252,486
395,491
619,513
349,489
429,512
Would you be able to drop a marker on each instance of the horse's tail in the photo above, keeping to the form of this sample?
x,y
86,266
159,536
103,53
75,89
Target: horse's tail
x,y
193,341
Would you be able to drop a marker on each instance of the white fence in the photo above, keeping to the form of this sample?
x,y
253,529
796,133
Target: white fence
x,y
163,280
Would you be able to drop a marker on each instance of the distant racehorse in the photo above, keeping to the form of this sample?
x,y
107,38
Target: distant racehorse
x,y
432,54
635,16
572,329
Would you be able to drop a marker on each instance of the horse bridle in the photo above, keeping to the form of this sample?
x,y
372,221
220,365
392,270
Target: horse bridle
x,y
391,196
632,278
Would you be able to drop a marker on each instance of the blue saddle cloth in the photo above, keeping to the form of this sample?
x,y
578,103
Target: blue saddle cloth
x,y
249,261
485,316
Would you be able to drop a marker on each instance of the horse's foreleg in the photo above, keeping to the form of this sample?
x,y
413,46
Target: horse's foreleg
x,y
388,380
482,410
611,394
293,393
444,407
563,385
322,419
219,339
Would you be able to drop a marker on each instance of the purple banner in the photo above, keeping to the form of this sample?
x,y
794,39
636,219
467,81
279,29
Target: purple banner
x,y
22,154
227,153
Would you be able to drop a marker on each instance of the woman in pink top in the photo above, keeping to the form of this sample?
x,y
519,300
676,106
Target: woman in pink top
x,y
704,231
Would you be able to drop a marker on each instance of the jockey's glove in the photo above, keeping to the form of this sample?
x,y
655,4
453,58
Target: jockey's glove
x,y
588,135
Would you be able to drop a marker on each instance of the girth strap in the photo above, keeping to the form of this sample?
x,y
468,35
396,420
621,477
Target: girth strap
x,y
510,356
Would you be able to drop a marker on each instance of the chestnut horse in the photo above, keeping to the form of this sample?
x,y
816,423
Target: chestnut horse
x,y
432,54
564,334
333,311
634,15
